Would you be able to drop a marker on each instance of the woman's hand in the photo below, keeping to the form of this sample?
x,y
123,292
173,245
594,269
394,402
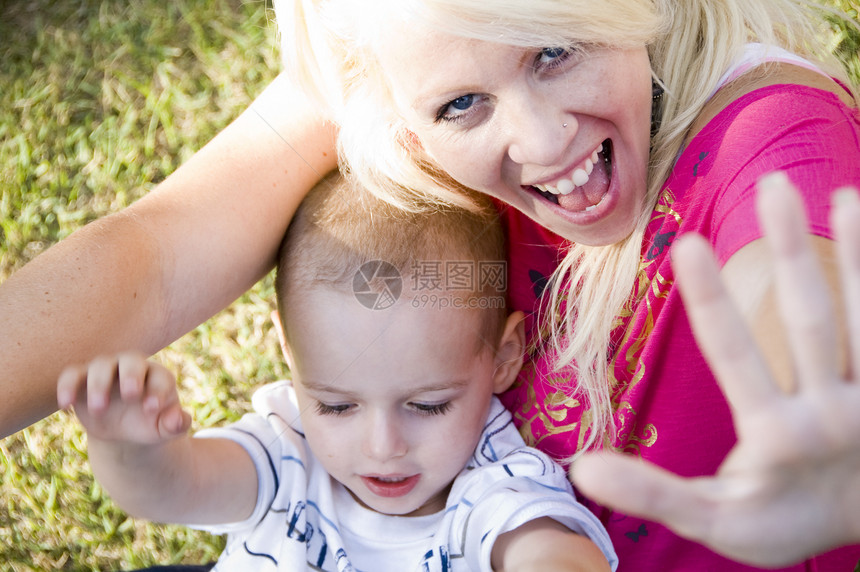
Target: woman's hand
x,y
790,488
124,398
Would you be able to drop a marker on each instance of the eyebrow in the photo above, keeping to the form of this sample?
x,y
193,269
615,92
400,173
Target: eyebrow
x,y
439,96
436,95
320,387
426,102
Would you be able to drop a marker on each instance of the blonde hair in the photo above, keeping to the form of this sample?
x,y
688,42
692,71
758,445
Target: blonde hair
x,y
328,45
340,226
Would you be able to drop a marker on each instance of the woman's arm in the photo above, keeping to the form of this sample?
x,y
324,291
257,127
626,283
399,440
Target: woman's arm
x,y
140,278
790,488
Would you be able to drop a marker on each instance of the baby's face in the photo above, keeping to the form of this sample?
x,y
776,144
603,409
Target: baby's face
x,y
392,401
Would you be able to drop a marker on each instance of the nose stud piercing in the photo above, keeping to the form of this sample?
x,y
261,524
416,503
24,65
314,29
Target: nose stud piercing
x,y
564,124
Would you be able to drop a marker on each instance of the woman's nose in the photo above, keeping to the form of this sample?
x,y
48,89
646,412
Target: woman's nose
x,y
539,134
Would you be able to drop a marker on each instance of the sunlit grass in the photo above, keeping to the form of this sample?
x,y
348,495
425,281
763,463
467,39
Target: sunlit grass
x,y
99,102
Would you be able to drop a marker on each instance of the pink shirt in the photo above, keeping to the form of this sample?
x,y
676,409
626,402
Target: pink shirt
x,y
668,407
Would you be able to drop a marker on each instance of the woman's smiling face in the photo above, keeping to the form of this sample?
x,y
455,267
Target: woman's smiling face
x,y
560,134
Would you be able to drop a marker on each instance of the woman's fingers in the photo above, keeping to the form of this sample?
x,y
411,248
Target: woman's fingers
x,y
642,489
720,330
795,454
802,292
845,220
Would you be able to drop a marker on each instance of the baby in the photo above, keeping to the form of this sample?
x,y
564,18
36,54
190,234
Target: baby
x,y
388,449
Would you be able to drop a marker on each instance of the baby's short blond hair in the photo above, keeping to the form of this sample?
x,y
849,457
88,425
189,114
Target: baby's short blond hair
x,y
340,227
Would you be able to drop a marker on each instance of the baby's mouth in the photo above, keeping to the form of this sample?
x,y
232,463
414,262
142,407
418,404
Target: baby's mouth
x,y
586,186
390,486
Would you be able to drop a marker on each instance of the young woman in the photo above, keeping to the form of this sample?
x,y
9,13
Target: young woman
x,y
612,128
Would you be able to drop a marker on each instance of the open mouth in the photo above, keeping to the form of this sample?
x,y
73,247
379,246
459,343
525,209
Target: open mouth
x,y
390,486
586,186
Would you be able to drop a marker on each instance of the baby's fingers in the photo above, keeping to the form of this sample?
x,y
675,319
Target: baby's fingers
x,y
101,375
160,389
173,421
132,368
70,382
162,399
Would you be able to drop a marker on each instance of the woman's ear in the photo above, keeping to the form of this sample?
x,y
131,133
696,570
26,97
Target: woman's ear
x,y
282,339
510,352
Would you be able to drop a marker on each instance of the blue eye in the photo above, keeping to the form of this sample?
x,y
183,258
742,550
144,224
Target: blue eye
x,y
552,52
463,103
457,109
553,56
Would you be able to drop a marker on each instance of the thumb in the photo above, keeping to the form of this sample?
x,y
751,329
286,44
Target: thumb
x,y
642,489
174,421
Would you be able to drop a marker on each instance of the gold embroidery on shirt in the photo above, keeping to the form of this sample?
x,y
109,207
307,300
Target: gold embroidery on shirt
x,y
557,405
629,437
538,423
664,206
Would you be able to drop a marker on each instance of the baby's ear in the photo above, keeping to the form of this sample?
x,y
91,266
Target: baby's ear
x,y
282,339
510,353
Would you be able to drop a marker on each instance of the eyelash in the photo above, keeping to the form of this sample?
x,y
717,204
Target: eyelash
x,y
435,409
442,114
325,409
421,408
564,54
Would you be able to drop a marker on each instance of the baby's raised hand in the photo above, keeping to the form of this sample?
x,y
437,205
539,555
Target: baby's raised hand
x,y
124,398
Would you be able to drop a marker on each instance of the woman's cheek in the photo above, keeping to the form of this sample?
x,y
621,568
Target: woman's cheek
x,y
454,152
467,165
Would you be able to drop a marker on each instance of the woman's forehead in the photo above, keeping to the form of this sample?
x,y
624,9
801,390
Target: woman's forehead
x,y
432,64
533,24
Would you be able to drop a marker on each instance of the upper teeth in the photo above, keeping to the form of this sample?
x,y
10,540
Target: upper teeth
x,y
578,178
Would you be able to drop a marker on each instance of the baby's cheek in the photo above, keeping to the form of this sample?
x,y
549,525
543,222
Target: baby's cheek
x,y
325,448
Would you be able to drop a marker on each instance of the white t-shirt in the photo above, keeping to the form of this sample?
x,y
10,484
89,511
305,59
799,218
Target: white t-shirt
x,y
304,519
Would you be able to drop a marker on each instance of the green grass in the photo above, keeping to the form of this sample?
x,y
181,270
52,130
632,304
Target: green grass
x,y
99,102
845,41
